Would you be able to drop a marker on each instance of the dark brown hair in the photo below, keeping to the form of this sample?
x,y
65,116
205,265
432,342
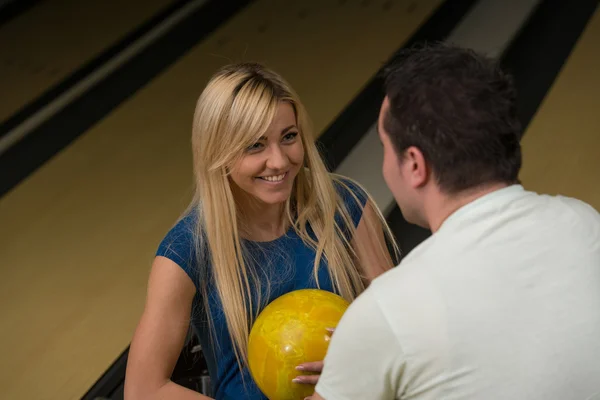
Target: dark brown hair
x,y
459,109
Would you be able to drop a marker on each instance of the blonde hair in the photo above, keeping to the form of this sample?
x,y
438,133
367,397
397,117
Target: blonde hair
x,y
234,110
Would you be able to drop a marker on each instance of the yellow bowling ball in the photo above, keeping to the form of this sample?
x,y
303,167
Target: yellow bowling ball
x,y
291,330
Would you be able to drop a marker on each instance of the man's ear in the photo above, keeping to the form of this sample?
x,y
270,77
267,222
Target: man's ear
x,y
414,167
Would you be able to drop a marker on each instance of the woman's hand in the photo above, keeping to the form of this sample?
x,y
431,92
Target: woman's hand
x,y
315,367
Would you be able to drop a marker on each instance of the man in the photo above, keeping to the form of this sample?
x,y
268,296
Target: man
x,y
503,300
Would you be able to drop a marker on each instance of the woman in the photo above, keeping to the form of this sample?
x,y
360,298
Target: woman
x,y
267,218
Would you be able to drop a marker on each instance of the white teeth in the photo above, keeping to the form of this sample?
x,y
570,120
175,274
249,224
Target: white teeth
x,y
276,178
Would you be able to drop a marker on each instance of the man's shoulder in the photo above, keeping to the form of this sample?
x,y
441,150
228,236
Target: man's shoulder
x,y
422,260
404,283
402,291
585,210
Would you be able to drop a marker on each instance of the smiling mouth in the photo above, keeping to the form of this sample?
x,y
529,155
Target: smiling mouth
x,y
273,178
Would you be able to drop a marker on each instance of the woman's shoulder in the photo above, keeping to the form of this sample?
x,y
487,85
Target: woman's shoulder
x,y
184,229
180,243
352,195
350,190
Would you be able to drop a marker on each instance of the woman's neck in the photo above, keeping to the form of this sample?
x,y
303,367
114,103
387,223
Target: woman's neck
x,y
263,222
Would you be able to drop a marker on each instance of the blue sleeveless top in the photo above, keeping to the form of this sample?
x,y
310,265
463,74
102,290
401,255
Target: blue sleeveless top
x,y
285,263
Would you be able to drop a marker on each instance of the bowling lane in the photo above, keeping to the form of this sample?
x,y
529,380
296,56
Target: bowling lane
x,y
78,236
43,46
561,145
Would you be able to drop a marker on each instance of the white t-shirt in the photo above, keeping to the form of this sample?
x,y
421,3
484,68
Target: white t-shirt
x,y
503,302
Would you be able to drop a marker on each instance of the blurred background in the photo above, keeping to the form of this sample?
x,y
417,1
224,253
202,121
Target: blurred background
x,y
96,105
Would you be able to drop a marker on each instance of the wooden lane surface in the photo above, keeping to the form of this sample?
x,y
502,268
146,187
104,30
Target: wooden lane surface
x,y
78,236
55,37
561,148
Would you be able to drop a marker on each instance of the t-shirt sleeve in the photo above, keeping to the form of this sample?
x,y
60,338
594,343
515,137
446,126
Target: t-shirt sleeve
x,y
354,198
364,359
178,245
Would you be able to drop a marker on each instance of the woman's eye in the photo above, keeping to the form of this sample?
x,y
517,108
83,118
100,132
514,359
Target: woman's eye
x,y
254,147
290,136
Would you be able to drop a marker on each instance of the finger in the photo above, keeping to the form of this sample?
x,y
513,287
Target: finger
x,y
330,330
306,379
314,366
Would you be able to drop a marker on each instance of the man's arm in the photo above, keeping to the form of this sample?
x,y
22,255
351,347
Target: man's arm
x,y
364,359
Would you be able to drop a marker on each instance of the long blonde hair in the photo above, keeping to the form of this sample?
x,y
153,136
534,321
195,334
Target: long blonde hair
x,y
234,110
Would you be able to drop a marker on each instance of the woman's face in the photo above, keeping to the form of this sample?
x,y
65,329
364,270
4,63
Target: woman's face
x,y
267,169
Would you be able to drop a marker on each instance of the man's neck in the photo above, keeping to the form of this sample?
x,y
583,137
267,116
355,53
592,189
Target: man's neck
x,y
443,205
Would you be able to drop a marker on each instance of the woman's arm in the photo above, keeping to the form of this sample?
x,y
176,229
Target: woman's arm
x,y
160,336
374,257
370,245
